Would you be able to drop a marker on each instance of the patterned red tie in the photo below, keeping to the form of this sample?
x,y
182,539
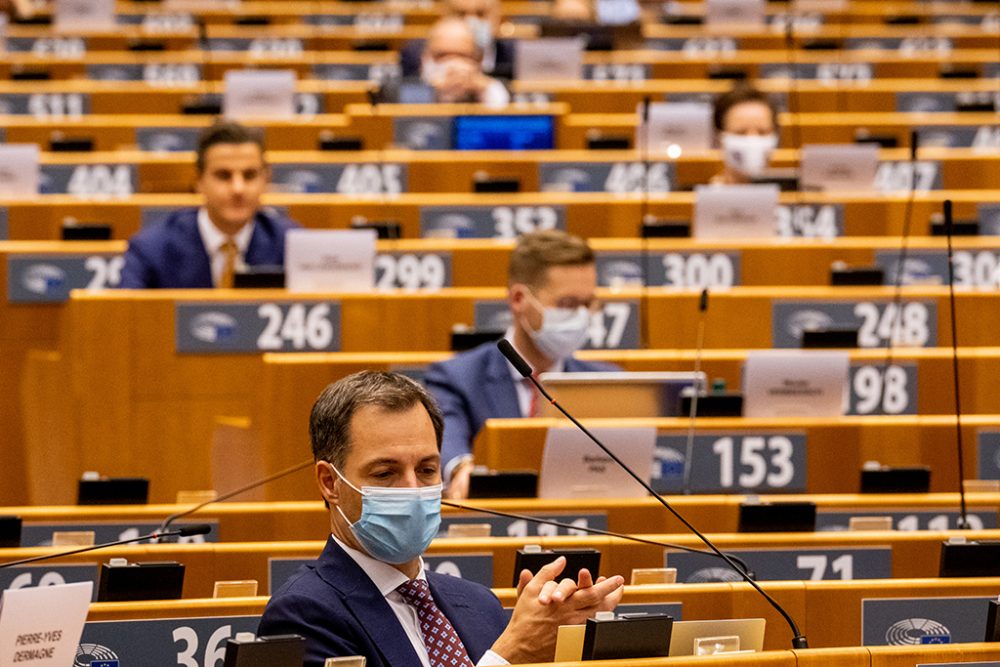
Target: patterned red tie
x,y
444,647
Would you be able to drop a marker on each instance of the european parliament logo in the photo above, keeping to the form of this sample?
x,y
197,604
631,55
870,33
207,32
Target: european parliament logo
x,y
43,279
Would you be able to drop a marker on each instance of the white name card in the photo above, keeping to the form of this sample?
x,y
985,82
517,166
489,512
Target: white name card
x,y
574,467
41,625
838,167
548,59
735,211
328,260
19,171
735,12
258,93
84,15
795,383
617,12
677,127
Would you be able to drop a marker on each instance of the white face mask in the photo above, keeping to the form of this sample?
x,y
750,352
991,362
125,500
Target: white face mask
x,y
563,332
748,154
431,70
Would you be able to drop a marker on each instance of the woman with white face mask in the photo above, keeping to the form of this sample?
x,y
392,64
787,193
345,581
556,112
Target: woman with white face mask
x,y
747,128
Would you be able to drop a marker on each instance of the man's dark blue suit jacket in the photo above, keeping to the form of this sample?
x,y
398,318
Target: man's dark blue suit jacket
x,y
340,612
171,254
477,385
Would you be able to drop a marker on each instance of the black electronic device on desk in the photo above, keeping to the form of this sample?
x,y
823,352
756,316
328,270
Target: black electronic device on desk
x,y
113,491
627,636
533,559
121,581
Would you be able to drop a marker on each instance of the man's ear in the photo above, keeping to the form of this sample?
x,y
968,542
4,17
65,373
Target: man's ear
x,y
326,480
516,296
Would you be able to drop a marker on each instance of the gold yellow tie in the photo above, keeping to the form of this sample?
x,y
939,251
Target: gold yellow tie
x,y
229,252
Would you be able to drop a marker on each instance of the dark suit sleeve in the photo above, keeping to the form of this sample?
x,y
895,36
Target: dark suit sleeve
x,y
327,636
138,271
459,429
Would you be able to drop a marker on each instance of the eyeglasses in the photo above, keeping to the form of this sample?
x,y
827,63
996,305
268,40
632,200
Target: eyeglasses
x,y
592,304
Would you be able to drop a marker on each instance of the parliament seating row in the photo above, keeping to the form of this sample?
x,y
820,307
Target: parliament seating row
x,y
717,264
154,393
605,218
243,520
157,91
341,32
120,174
294,11
847,67
207,563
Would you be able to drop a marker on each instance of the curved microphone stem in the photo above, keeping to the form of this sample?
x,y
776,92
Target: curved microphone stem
x,y
597,531
963,518
693,412
899,277
155,535
243,489
798,639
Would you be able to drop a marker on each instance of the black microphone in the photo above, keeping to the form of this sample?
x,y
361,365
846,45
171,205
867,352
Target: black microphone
x,y
185,531
793,97
900,275
963,517
598,531
226,496
693,411
508,351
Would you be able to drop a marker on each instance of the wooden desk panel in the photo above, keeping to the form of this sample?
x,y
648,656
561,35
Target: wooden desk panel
x,y
303,520
593,215
833,445
152,397
671,315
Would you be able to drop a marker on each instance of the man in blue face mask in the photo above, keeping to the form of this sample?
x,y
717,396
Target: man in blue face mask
x,y
552,283
376,439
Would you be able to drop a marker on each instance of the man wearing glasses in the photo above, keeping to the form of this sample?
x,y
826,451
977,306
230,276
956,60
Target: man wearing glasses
x,y
552,281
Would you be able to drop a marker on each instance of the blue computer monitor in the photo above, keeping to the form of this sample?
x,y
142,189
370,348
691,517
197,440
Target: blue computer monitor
x,y
498,133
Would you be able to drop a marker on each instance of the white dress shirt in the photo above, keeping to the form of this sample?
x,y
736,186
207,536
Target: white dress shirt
x,y
387,579
213,239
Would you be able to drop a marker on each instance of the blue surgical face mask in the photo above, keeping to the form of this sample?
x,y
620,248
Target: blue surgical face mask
x,y
396,524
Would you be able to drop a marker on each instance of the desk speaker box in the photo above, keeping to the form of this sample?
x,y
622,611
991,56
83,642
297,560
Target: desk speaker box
x,y
777,517
970,559
576,560
628,636
10,532
120,582
915,479
504,484
113,491
274,651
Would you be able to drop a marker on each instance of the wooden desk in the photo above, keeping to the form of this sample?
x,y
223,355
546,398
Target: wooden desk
x,y
810,603
591,214
833,446
241,521
152,397
395,172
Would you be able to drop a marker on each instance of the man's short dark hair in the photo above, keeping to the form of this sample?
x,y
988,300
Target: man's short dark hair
x,y
330,421
736,96
226,132
537,252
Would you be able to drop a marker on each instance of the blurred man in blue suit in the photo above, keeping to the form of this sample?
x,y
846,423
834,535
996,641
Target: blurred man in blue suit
x,y
206,246
376,439
552,281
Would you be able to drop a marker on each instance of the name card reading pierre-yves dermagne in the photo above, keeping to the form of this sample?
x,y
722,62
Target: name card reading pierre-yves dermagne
x,y
41,625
